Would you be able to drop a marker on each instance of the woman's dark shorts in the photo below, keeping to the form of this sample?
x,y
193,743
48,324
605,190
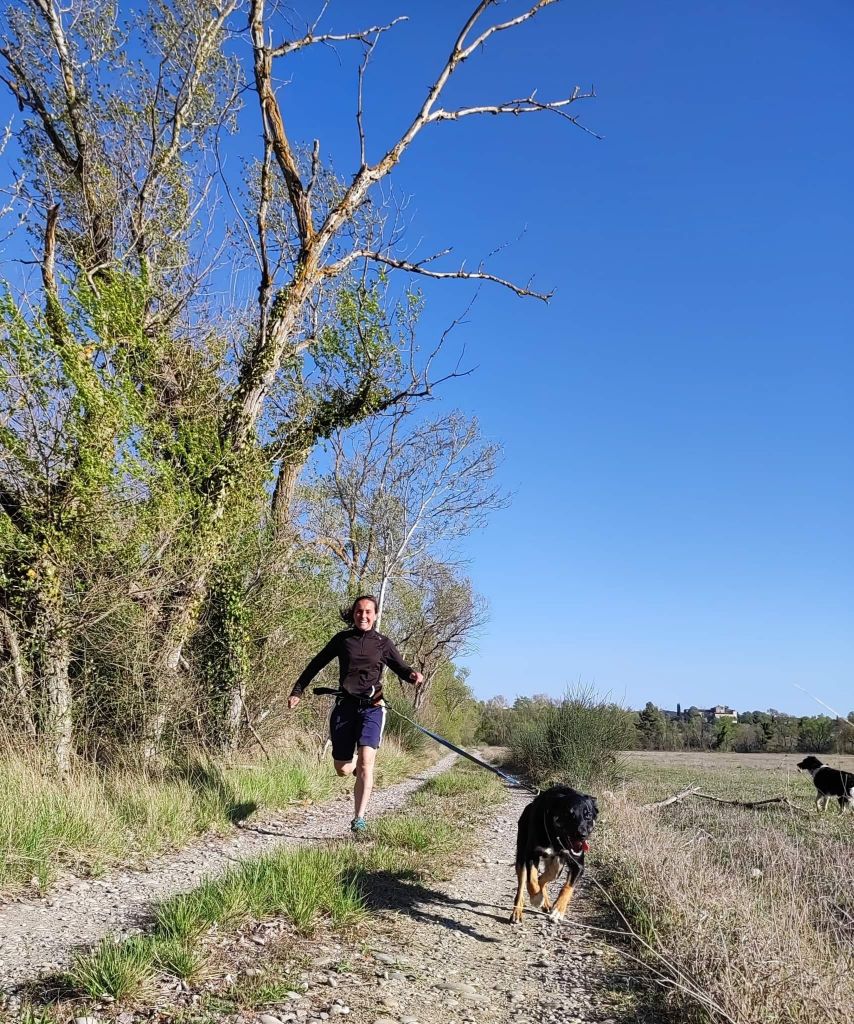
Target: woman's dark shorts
x,y
354,725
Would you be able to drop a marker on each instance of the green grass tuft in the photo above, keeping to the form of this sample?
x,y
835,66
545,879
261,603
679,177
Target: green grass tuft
x,y
179,958
422,833
117,969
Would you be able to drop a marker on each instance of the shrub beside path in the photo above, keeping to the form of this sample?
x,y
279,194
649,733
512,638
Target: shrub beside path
x,y
41,935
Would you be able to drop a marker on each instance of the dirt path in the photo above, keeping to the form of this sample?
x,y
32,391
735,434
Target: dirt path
x,y
446,954
42,935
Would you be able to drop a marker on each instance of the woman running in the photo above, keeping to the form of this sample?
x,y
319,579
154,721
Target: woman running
x,y
358,718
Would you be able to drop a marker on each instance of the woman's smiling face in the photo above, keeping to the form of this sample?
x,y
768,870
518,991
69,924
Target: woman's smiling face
x,y
364,614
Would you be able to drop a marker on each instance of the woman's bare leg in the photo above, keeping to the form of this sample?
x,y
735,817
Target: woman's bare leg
x,y
364,779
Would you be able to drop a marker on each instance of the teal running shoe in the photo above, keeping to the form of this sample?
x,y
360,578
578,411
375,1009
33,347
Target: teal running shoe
x,y
358,826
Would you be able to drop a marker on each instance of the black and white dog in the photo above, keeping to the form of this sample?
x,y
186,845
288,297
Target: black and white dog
x,y
831,783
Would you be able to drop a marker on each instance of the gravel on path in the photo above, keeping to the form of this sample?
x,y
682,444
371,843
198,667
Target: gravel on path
x,y
445,953
41,935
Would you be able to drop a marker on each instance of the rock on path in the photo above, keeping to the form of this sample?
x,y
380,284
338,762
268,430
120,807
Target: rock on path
x,y
42,935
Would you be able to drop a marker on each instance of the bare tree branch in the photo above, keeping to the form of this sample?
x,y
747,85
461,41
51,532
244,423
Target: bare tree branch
x,y
28,96
160,162
501,27
421,268
526,105
675,799
274,127
750,804
365,35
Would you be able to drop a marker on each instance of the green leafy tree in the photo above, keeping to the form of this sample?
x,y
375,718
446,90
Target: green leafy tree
x,y
651,727
816,735
212,401
725,732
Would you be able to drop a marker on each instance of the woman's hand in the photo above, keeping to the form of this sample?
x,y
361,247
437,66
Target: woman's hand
x,y
292,702
416,677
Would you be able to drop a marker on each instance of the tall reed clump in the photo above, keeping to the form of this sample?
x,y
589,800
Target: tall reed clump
x,y
576,741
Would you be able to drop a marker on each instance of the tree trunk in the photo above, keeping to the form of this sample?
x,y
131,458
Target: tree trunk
x,y
281,507
234,712
20,682
381,599
285,489
420,697
175,628
56,724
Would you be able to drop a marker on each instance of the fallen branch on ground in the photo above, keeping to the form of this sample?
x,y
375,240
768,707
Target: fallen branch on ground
x,y
695,791
675,798
753,803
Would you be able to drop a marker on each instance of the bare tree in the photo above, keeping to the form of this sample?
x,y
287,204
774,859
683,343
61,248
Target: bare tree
x,y
323,247
399,494
439,622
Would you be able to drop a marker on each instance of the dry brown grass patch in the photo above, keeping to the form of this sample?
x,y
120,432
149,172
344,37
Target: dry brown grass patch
x,y
753,907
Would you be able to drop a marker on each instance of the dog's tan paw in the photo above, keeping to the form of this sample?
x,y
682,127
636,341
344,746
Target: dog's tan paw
x,y
516,916
556,916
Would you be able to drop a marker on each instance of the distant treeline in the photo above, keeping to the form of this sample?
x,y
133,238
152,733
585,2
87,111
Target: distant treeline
x,y
768,731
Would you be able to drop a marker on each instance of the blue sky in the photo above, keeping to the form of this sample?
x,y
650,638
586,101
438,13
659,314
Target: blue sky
x,y
677,422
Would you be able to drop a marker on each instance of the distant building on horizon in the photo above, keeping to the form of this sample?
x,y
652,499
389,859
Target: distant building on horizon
x,y
721,711
713,714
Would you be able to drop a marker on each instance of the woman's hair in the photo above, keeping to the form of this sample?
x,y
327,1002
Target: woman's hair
x,y
348,612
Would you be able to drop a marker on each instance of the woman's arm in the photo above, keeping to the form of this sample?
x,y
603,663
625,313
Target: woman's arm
x,y
392,658
319,661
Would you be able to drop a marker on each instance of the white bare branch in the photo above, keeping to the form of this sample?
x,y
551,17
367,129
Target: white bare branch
x,y
502,26
420,267
368,36
526,105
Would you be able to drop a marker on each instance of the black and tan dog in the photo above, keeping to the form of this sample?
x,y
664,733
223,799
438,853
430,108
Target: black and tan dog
x,y
831,783
553,829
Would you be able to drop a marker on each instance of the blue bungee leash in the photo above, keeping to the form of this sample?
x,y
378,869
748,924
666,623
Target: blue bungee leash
x,y
433,736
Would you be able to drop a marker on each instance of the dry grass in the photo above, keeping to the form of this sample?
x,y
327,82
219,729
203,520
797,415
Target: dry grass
x,y
754,908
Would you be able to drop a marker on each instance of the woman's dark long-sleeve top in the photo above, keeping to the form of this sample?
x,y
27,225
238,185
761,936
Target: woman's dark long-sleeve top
x,y
361,659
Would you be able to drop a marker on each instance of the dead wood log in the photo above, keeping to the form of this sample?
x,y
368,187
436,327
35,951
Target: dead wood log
x,y
695,791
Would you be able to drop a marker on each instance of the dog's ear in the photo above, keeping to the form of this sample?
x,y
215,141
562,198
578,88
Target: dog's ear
x,y
594,805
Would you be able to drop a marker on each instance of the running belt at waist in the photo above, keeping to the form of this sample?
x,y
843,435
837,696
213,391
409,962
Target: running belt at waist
x,y
342,696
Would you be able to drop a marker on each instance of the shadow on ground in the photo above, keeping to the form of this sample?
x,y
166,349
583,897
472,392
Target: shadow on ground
x,y
208,780
404,893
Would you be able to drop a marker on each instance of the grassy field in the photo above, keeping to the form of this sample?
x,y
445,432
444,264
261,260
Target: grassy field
x,y
748,913
784,764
